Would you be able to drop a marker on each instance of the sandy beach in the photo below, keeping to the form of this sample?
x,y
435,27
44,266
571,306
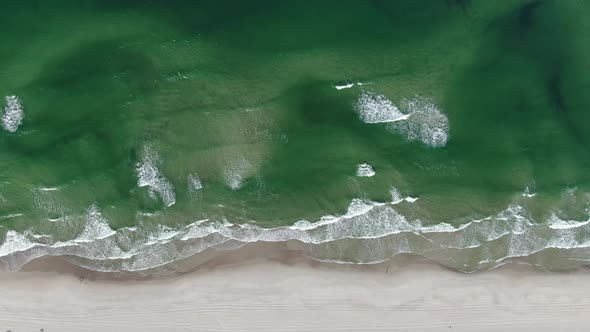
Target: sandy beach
x,y
299,295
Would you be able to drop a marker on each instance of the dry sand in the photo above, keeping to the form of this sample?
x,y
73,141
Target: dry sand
x,y
271,295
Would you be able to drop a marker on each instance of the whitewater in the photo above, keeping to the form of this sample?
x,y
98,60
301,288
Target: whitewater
x,y
369,232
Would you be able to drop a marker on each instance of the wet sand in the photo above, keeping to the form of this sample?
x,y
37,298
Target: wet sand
x,y
298,295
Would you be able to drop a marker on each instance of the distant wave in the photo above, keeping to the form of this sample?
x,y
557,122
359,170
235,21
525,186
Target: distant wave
x,y
369,232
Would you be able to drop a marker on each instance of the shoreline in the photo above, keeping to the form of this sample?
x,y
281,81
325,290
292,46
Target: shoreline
x,y
282,292
368,233
287,252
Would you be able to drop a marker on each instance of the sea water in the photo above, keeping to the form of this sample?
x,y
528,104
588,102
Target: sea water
x,y
136,134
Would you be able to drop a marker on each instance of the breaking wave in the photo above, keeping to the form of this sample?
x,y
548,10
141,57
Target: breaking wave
x,y
369,232
194,182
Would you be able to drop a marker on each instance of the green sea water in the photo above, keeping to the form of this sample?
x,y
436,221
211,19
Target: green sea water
x,y
230,112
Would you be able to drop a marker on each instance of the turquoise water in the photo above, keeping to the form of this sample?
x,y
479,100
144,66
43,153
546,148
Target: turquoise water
x,y
137,134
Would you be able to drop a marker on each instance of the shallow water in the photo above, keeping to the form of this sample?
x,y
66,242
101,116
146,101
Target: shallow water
x,y
126,124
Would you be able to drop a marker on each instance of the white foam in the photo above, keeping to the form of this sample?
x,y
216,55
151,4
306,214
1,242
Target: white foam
x,y
557,223
367,232
96,226
15,242
49,188
529,191
149,175
194,182
396,196
13,114
180,76
374,108
569,192
364,170
304,225
425,122
418,118
234,172
437,228
163,233
345,86
13,215
358,207
350,85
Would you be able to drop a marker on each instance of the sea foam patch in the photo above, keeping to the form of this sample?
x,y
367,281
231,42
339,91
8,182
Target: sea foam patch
x,y
15,242
194,182
417,118
426,122
149,175
234,172
364,170
96,226
13,114
375,108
